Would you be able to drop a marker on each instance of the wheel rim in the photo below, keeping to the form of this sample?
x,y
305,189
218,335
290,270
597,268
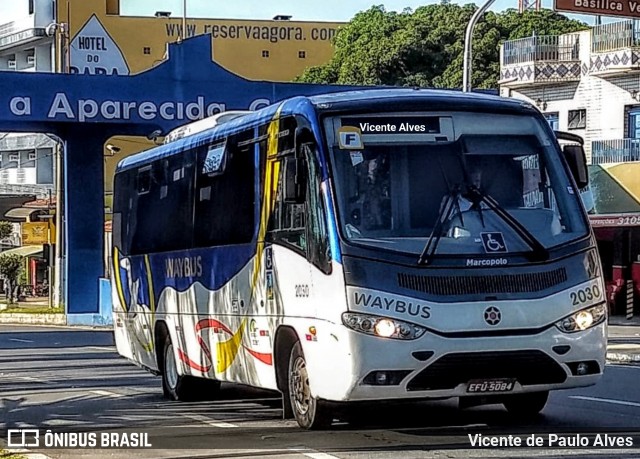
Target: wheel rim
x,y
170,369
300,386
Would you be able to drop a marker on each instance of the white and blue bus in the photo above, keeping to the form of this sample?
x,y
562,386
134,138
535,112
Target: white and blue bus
x,y
385,244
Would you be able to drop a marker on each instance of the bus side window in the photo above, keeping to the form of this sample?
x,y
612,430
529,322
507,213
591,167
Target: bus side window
x,y
287,222
164,205
319,252
122,218
225,193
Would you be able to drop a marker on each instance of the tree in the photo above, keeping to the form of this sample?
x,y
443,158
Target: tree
x,y
425,47
10,267
6,229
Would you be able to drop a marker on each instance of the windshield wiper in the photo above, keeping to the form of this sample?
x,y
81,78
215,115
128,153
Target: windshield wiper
x,y
539,252
449,205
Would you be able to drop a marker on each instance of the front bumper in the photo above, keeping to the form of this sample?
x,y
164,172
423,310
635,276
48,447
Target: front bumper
x,y
441,367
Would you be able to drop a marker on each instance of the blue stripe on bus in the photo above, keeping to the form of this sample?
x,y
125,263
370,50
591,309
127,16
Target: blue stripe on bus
x,y
211,267
334,242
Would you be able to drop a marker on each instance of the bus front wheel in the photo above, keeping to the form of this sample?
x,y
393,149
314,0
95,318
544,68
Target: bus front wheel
x,y
526,405
310,413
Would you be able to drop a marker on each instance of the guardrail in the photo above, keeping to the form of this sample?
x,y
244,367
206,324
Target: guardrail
x,y
614,36
615,151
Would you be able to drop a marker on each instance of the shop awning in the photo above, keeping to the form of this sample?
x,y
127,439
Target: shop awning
x,y
24,251
23,213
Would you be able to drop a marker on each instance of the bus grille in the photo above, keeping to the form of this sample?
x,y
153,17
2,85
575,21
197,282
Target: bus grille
x,y
527,367
467,285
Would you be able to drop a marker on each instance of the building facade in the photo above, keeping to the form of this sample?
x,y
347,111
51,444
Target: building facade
x,y
91,37
588,83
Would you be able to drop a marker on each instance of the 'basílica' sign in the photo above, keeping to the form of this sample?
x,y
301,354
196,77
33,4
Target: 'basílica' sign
x,y
626,8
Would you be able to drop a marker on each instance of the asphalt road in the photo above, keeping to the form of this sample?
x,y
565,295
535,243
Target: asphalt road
x,y
70,380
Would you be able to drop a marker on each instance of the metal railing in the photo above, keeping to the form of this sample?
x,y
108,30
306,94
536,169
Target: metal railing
x,y
615,151
41,191
617,35
24,23
541,48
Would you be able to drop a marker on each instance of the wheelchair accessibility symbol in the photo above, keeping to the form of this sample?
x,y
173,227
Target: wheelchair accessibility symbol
x,y
493,242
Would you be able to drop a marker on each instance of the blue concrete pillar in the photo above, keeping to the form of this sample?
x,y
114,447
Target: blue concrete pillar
x,y
83,220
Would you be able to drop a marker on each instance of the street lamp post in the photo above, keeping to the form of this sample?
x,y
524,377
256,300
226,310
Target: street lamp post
x,y
466,75
184,19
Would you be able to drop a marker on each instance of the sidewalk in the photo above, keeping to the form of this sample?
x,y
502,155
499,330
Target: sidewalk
x,y
32,311
624,340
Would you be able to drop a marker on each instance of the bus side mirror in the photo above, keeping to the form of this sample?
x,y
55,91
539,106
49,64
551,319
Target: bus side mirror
x,y
293,182
577,160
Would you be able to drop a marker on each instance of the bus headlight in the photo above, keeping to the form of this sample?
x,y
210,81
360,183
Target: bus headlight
x,y
384,327
584,319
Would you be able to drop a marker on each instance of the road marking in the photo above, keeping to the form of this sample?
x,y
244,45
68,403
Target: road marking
x,y
31,378
605,400
206,420
106,393
21,340
312,453
99,348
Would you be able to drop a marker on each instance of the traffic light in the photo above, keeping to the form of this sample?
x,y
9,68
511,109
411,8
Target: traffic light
x,y
49,253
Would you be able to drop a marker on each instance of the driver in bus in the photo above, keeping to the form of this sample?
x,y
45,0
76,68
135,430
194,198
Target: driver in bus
x,y
465,201
371,209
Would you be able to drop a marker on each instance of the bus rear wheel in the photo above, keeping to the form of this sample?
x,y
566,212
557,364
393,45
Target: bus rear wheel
x,y
309,412
526,405
182,387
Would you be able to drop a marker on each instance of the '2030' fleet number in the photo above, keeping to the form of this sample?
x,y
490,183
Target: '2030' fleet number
x,y
585,294
302,290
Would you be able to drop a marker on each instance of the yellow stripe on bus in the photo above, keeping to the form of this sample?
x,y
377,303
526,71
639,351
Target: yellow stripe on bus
x,y
116,272
227,351
272,170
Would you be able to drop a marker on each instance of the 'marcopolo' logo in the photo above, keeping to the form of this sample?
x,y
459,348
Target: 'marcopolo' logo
x,y
492,315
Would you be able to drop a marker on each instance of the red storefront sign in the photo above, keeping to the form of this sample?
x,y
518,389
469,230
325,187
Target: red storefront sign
x,y
614,221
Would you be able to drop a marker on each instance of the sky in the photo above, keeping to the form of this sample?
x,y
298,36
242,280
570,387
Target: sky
x,y
323,10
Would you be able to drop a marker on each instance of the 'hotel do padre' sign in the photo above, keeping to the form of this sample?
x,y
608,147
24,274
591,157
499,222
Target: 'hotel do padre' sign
x,y
626,8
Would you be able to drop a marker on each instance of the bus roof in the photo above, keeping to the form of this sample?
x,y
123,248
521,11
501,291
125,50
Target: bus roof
x,y
392,99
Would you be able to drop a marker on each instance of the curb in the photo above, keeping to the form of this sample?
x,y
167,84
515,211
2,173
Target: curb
x,y
63,326
26,453
623,357
32,319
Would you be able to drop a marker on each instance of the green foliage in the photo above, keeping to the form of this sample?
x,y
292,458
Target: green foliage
x,y
6,229
544,22
22,278
4,454
425,47
10,267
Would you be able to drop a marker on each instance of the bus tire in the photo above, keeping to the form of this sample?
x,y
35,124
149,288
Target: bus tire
x,y
310,412
526,405
174,385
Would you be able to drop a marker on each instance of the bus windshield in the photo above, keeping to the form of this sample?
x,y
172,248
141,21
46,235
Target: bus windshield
x,y
463,183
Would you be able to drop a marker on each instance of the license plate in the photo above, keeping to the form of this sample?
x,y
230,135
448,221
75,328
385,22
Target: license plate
x,y
490,385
